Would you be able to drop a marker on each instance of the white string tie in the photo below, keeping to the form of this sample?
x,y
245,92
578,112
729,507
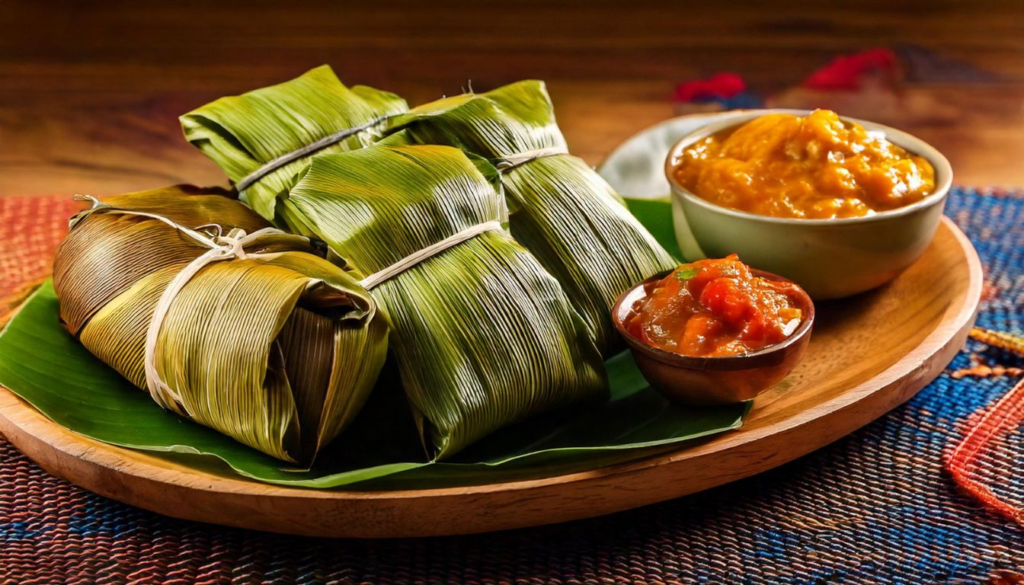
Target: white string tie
x,y
220,247
512,161
305,151
430,251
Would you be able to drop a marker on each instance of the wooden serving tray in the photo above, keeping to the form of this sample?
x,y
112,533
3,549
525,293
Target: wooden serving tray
x,y
867,355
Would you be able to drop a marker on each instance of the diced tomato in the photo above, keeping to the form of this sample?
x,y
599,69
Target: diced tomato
x,y
713,308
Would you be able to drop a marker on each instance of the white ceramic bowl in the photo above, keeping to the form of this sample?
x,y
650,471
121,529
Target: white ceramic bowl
x,y
829,258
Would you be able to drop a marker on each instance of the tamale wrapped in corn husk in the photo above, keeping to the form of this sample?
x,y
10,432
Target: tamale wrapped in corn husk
x,y
561,209
245,133
483,336
277,349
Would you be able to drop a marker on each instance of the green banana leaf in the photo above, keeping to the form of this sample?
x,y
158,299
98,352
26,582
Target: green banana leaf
x,y
45,366
656,216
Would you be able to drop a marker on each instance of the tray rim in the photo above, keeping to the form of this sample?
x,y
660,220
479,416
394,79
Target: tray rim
x,y
149,482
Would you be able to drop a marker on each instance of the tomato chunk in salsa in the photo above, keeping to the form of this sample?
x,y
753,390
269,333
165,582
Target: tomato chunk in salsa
x,y
713,308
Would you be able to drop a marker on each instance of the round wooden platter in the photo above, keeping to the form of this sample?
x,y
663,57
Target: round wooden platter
x,y
867,355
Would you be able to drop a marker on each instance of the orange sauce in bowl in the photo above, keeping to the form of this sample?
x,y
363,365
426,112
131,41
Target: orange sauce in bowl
x,y
812,167
714,308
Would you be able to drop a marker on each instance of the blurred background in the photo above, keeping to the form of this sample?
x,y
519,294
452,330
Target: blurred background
x,y
91,92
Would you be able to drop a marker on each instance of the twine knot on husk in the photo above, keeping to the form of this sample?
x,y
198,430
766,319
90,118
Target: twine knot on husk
x,y
220,317
221,248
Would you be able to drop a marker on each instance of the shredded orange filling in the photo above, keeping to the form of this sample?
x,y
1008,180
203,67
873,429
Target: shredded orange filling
x,y
813,167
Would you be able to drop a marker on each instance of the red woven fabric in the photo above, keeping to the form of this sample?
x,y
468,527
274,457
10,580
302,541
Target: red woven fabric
x,y
30,229
976,462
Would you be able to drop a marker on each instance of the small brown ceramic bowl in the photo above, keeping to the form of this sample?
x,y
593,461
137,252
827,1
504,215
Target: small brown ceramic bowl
x,y
702,381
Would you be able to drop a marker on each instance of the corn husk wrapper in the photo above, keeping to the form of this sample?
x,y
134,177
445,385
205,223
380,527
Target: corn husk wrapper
x,y
561,209
482,334
242,133
278,351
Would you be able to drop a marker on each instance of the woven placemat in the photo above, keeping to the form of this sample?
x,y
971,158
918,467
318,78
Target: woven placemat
x,y
875,507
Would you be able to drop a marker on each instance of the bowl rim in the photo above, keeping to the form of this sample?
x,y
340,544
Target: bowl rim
x,y
743,361
905,140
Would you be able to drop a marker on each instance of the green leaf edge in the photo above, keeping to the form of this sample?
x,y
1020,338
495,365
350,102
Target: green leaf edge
x,y
648,211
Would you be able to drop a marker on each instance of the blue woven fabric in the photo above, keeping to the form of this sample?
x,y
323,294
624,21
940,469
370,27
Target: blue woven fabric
x,y
874,507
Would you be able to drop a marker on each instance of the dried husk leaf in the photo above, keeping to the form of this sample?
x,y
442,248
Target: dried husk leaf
x,y
482,334
242,133
561,209
136,248
54,373
278,351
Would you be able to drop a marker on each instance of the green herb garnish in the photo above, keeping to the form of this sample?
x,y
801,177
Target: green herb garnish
x,y
685,274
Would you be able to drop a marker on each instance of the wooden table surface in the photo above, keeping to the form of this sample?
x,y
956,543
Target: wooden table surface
x,y
90,94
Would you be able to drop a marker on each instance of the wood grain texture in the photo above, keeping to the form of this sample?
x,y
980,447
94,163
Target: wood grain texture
x,y
867,355
91,91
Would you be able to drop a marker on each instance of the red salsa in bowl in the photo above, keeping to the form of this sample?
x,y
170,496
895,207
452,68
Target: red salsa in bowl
x,y
714,331
715,308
